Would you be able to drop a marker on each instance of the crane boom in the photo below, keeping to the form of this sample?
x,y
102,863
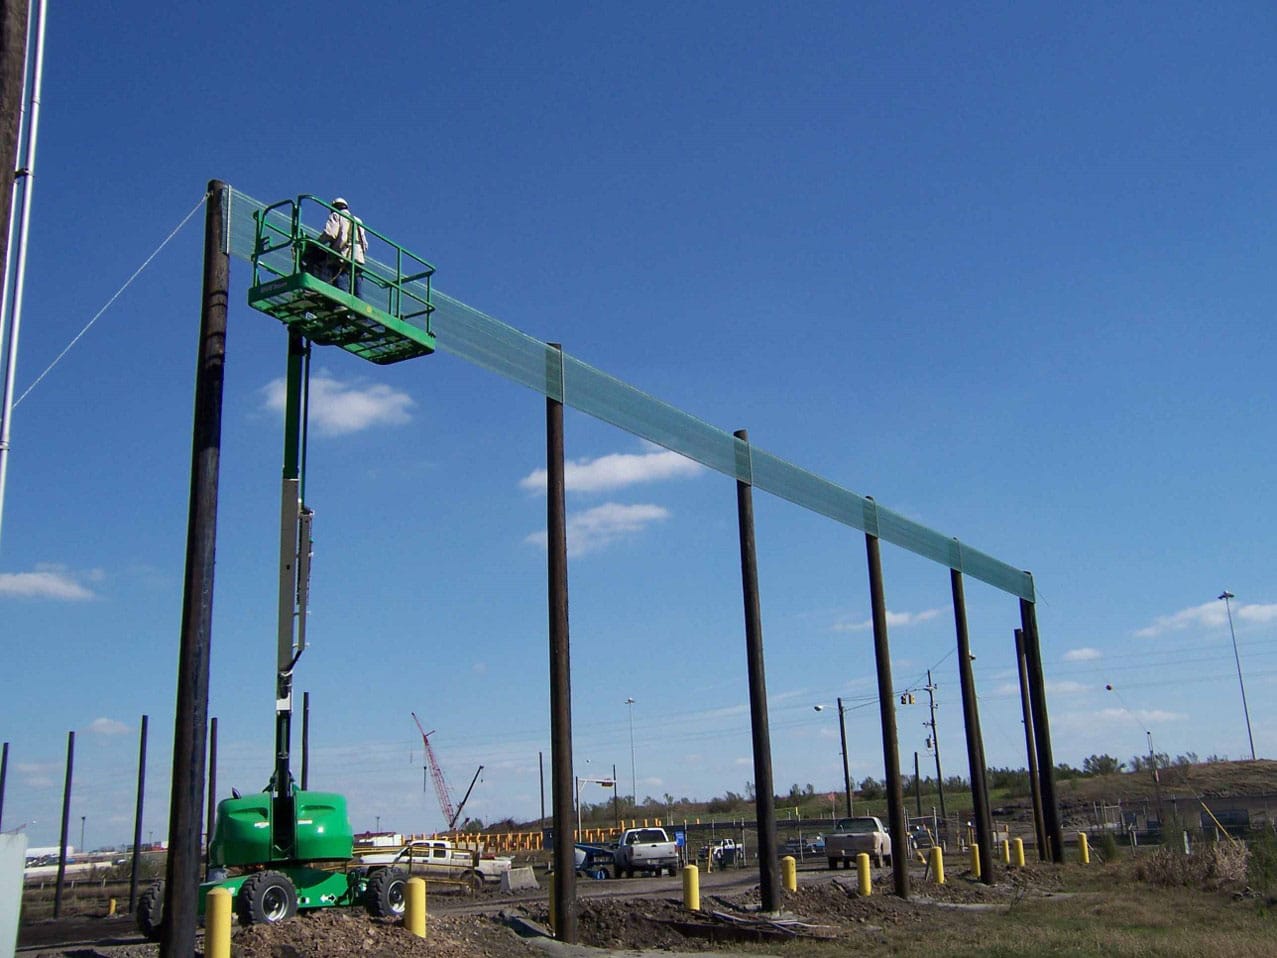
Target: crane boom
x,y
436,773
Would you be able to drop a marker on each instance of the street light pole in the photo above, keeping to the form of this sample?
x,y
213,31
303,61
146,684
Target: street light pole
x,y
1226,596
633,778
846,767
1152,755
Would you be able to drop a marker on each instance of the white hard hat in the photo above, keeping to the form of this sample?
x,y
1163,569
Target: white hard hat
x,y
340,203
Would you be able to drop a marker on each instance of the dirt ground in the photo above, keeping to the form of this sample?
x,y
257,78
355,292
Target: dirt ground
x,y
825,906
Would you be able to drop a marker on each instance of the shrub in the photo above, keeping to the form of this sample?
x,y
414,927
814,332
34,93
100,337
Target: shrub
x,y
1261,871
1209,866
1106,846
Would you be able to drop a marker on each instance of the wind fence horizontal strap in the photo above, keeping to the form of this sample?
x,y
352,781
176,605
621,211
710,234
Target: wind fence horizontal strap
x,y
476,337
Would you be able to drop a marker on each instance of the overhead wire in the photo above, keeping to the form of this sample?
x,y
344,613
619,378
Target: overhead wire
x,y
118,293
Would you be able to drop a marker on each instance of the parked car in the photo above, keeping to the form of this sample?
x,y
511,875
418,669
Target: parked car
x,y
645,850
724,852
920,836
804,846
852,836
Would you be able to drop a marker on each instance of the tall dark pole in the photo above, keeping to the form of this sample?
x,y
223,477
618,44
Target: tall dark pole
x,y
917,785
846,762
4,774
14,21
764,791
305,741
66,825
186,805
137,817
971,722
565,909
212,790
935,744
1030,745
1042,731
887,710
541,770
616,799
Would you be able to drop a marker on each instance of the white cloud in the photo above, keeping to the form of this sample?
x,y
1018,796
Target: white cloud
x,y
338,407
1145,717
106,726
37,774
616,471
603,525
1206,615
1209,615
46,582
1082,655
1067,687
1256,614
894,620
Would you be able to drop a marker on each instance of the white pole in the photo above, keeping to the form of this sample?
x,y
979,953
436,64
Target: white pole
x,y
26,173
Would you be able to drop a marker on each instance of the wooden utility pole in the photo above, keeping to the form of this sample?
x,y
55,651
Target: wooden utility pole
x,y
14,17
186,803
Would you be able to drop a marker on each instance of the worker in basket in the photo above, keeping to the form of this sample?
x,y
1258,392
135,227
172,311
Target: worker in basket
x,y
344,235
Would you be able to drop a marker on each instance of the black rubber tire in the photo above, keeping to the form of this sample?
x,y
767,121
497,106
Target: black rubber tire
x,y
150,911
266,898
833,864
387,893
673,871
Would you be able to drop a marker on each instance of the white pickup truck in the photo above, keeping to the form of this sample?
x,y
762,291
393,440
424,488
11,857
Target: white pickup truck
x,y
441,859
855,835
644,850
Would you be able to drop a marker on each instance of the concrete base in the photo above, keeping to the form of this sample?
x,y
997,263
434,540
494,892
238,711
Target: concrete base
x,y
13,849
518,879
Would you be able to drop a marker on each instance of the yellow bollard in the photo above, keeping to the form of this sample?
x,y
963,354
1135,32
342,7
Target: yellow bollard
x,y
110,908
862,872
1083,848
1019,853
1006,851
789,873
937,864
691,888
217,923
975,860
414,912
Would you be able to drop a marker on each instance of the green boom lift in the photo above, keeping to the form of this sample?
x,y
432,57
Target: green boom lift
x,y
292,848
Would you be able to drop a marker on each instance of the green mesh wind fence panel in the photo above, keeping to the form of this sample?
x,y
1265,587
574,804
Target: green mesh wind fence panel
x,y
469,334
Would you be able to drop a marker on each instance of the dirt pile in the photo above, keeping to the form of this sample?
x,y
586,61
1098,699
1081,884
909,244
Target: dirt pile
x,y
337,933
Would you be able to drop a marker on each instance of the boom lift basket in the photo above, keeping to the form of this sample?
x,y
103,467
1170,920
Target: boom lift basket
x,y
387,323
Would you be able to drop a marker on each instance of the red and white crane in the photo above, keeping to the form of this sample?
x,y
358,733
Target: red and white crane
x,y
450,814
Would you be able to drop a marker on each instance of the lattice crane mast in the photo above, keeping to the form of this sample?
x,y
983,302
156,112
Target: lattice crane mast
x,y
436,773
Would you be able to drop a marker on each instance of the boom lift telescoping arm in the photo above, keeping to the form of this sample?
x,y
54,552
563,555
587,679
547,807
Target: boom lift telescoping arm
x,y
294,586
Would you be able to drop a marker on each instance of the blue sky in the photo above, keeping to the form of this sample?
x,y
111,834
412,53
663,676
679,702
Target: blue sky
x,y
1005,268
